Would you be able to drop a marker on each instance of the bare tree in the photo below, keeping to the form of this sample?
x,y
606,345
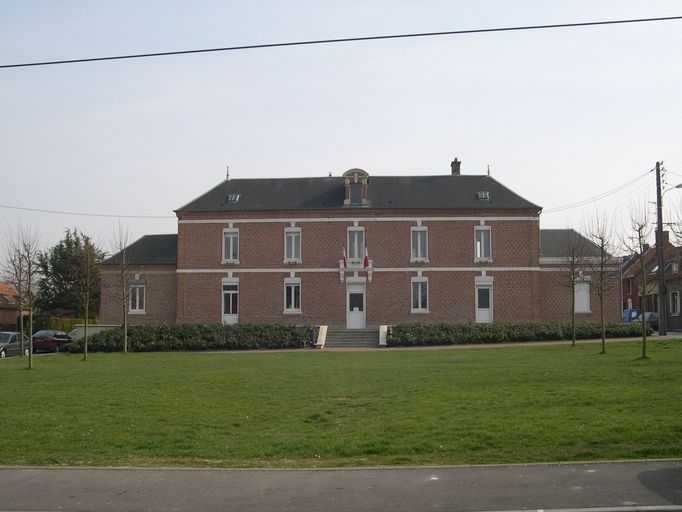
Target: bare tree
x,y
14,272
86,273
574,249
600,233
637,243
121,291
22,271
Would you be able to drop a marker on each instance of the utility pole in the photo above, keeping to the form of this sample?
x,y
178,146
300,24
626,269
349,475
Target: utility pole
x,y
662,294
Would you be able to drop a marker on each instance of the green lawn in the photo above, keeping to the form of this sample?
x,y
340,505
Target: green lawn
x,y
320,409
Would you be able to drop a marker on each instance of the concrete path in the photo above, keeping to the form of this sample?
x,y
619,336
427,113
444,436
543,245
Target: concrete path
x,y
626,486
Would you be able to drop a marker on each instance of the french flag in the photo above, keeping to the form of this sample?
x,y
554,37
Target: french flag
x,y
365,263
345,263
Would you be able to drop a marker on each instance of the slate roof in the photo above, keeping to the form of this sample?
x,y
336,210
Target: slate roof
x,y
553,243
384,192
150,250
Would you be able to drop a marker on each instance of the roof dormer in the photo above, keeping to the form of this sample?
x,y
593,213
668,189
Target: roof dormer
x,y
355,182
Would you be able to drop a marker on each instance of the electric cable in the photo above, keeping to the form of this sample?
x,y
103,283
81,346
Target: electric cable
x,y
341,40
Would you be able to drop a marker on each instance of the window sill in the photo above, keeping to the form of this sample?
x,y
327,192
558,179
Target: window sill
x,y
137,312
292,312
230,262
583,312
420,311
292,262
419,260
483,260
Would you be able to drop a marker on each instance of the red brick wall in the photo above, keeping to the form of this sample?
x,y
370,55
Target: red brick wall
x,y
555,293
160,295
518,295
8,318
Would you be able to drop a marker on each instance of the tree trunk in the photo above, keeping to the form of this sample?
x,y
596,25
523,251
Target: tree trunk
x,y
30,337
573,314
85,331
21,330
125,319
601,312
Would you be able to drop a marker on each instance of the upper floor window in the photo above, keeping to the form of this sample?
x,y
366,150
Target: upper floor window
x,y
292,245
419,244
230,245
356,244
136,302
483,250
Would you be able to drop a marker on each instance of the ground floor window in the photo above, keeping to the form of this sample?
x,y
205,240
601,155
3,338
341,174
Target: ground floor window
x,y
136,301
230,301
675,303
582,297
292,295
420,295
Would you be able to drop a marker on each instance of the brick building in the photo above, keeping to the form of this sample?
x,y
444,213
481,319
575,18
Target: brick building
x,y
354,251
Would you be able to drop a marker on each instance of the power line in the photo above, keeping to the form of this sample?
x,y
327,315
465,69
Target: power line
x,y
343,40
597,197
82,214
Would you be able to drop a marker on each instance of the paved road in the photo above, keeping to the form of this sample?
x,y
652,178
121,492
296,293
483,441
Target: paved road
x,y
624,486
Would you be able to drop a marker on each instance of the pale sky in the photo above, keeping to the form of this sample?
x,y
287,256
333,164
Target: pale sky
x,y
559,115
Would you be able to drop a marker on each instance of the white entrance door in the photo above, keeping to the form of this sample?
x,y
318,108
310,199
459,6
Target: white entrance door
x,y
230,303
484,304
355,306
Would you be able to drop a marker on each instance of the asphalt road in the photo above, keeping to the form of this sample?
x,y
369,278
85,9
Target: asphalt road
x,y
616,486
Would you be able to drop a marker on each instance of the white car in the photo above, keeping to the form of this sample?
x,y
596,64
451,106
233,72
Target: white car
x,y
9,344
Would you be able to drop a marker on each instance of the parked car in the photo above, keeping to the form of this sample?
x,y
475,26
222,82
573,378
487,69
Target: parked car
x,y
630,315
651,319
50,340
9,344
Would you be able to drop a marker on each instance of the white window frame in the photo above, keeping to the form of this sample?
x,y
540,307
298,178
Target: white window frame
x,y
229,281
232,233
481,256
582,287
419,282
675,303
290,234
487,282
289,284
419,254
137,290
360,251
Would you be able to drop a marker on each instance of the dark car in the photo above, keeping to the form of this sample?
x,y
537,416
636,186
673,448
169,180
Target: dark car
x,y
651,319
9,344
50,340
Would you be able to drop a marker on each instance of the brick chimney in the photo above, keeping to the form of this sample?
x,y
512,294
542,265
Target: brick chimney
x,y
455,166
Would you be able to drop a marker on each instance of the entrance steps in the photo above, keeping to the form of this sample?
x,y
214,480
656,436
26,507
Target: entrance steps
x,y
340,337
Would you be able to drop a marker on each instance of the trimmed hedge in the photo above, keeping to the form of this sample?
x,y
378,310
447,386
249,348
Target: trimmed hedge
x,y
406,335
159,338
55,323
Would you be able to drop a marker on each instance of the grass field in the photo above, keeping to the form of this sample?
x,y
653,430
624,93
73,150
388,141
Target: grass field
x,y
321,409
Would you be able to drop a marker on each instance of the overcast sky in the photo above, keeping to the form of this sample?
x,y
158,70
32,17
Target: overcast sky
x,y
559,115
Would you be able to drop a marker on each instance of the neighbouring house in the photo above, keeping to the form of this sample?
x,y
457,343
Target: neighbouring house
x,y
631,275
673,284
9,313
354,251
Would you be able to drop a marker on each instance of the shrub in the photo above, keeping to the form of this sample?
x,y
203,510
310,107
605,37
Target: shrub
x,y
156,338
56,323
454,334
